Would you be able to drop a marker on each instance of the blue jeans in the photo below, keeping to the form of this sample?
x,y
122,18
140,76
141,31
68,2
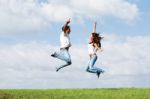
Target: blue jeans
x,y
64,55
91,68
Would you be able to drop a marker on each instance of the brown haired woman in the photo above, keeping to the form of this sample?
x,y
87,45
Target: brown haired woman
x,y
93,46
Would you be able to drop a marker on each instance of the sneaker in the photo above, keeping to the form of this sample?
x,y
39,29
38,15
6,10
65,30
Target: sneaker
x,y
57,69
98,74
69,63
53,55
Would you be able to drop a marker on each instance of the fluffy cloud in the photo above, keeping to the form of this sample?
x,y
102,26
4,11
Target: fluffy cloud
x,y
129,54
19,16
57,13
99,8
125,59
31,15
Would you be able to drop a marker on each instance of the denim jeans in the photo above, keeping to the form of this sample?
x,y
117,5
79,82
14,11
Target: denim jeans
x,y
91,68
64,55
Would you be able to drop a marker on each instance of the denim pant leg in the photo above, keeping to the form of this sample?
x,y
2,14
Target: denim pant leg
x,y
98,69
66,57
87,69
63,54
91,64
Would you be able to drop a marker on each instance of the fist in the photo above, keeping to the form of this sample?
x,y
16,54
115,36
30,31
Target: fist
x,y
68,21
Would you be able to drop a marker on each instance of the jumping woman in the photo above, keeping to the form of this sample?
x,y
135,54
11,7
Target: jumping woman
x,y
63,54
93,46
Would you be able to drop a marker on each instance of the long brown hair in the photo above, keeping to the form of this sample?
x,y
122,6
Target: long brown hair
x,y
96,38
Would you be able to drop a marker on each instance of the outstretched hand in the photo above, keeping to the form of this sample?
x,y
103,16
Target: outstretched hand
x,y
68,21
101,50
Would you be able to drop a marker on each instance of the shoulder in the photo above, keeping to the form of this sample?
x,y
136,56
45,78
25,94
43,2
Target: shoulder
x,y
62,33
90,45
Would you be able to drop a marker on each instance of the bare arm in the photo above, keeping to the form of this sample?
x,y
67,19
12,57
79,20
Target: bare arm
x,y
67,22
98,48
90,39
94,27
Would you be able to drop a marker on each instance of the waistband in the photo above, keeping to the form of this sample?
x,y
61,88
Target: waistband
x,y
92,55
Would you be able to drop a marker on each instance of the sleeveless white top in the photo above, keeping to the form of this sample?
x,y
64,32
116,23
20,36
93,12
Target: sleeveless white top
x,y
91,49
64,40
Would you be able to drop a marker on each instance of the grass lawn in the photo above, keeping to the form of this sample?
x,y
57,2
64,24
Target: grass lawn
x,y
103,93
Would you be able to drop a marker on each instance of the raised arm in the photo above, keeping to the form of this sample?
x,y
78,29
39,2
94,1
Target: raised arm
x,y
66,27
67,22
94,27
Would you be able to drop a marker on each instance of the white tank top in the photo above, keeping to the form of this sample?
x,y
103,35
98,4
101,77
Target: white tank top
x,y
64,40
91,49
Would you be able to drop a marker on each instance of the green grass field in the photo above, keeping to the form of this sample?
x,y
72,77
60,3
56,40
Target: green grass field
x,y
106,93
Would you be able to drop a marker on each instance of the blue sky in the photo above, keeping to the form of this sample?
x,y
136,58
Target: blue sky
x,y
29,33
109,24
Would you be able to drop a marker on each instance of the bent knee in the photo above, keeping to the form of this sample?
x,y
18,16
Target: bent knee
x,y
87,70
69,63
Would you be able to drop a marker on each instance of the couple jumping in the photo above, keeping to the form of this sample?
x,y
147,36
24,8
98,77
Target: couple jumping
x,y
93,46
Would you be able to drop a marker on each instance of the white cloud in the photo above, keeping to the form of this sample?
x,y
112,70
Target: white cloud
x,y
56,12
30,15
100,8
125,59
19,16
129,54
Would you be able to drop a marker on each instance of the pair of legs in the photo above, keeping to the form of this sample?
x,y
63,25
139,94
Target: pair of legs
x,y
91,68
64,55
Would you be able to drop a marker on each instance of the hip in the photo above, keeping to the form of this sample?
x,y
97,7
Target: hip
x,y
92,54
